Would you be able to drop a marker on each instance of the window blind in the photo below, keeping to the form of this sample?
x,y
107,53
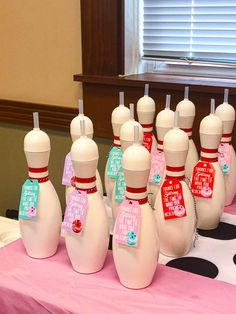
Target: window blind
x,y
190,29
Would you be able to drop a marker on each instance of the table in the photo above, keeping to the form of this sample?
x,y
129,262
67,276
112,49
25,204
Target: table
x,y
9,230
51,286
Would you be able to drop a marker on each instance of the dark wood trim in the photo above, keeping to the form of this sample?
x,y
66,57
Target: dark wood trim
x,y
100,94
206,84
121,37
102,33
50,116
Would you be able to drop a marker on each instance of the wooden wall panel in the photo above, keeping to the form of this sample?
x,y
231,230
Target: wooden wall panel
x,y
102,26
21,113
101,97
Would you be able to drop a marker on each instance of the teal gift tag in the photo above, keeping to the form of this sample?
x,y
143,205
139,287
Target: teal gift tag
x,y
29,200
120,186
114,162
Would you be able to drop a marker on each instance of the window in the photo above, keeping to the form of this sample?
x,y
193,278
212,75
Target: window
x,y
193,29
188,36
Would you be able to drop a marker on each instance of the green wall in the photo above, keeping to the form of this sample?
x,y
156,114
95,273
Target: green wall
x,y
13,167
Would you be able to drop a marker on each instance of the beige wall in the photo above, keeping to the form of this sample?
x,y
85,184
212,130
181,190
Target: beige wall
x,y
40,50
13,167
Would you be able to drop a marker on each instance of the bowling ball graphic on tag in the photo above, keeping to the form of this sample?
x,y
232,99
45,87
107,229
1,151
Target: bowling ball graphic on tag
x,y
76,226
225,169
131,238
31,212
179,210
206,191
157,178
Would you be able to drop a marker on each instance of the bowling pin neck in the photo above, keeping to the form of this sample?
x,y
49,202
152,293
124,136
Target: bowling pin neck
x,y
209,154
160,146
86,184
175,172
147,128
188,132
226,138
39,174
137,194
116,141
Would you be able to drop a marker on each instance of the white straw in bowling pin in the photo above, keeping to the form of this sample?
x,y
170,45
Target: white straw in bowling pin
x,y
186,92
212,106
146,89
81,107
176,120
121,99
168,101
131,108
36,120
82,128
226,96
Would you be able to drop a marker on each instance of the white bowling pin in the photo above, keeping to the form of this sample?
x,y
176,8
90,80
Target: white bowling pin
x,y
209,199
186,110
41,236
136,265
87,249
146,109
126,139
164,122
119,115
176,223
75,134
227,157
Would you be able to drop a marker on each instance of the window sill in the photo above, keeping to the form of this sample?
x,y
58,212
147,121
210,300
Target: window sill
x,y
197,83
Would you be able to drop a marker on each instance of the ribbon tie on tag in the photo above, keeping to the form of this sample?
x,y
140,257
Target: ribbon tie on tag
x,y
88,190
116,141
213,151
176,175
37,171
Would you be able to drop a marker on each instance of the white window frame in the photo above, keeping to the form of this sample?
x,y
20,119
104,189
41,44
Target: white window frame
x,y
135,63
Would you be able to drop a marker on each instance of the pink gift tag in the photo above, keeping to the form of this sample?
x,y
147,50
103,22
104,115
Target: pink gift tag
x,y
68,172
224,157
158,166
128,223
76,212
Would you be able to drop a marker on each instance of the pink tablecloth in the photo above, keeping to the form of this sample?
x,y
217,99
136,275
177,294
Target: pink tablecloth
x,y
51,286
231,209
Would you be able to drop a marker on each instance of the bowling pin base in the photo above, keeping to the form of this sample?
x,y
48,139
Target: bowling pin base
x,y
87,272
135,287
41,236
177,254
176,235
92,264
42,255
87,251
202,226
136,266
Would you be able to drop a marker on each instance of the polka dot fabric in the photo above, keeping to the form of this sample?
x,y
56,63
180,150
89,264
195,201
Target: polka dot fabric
x,y
214,254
